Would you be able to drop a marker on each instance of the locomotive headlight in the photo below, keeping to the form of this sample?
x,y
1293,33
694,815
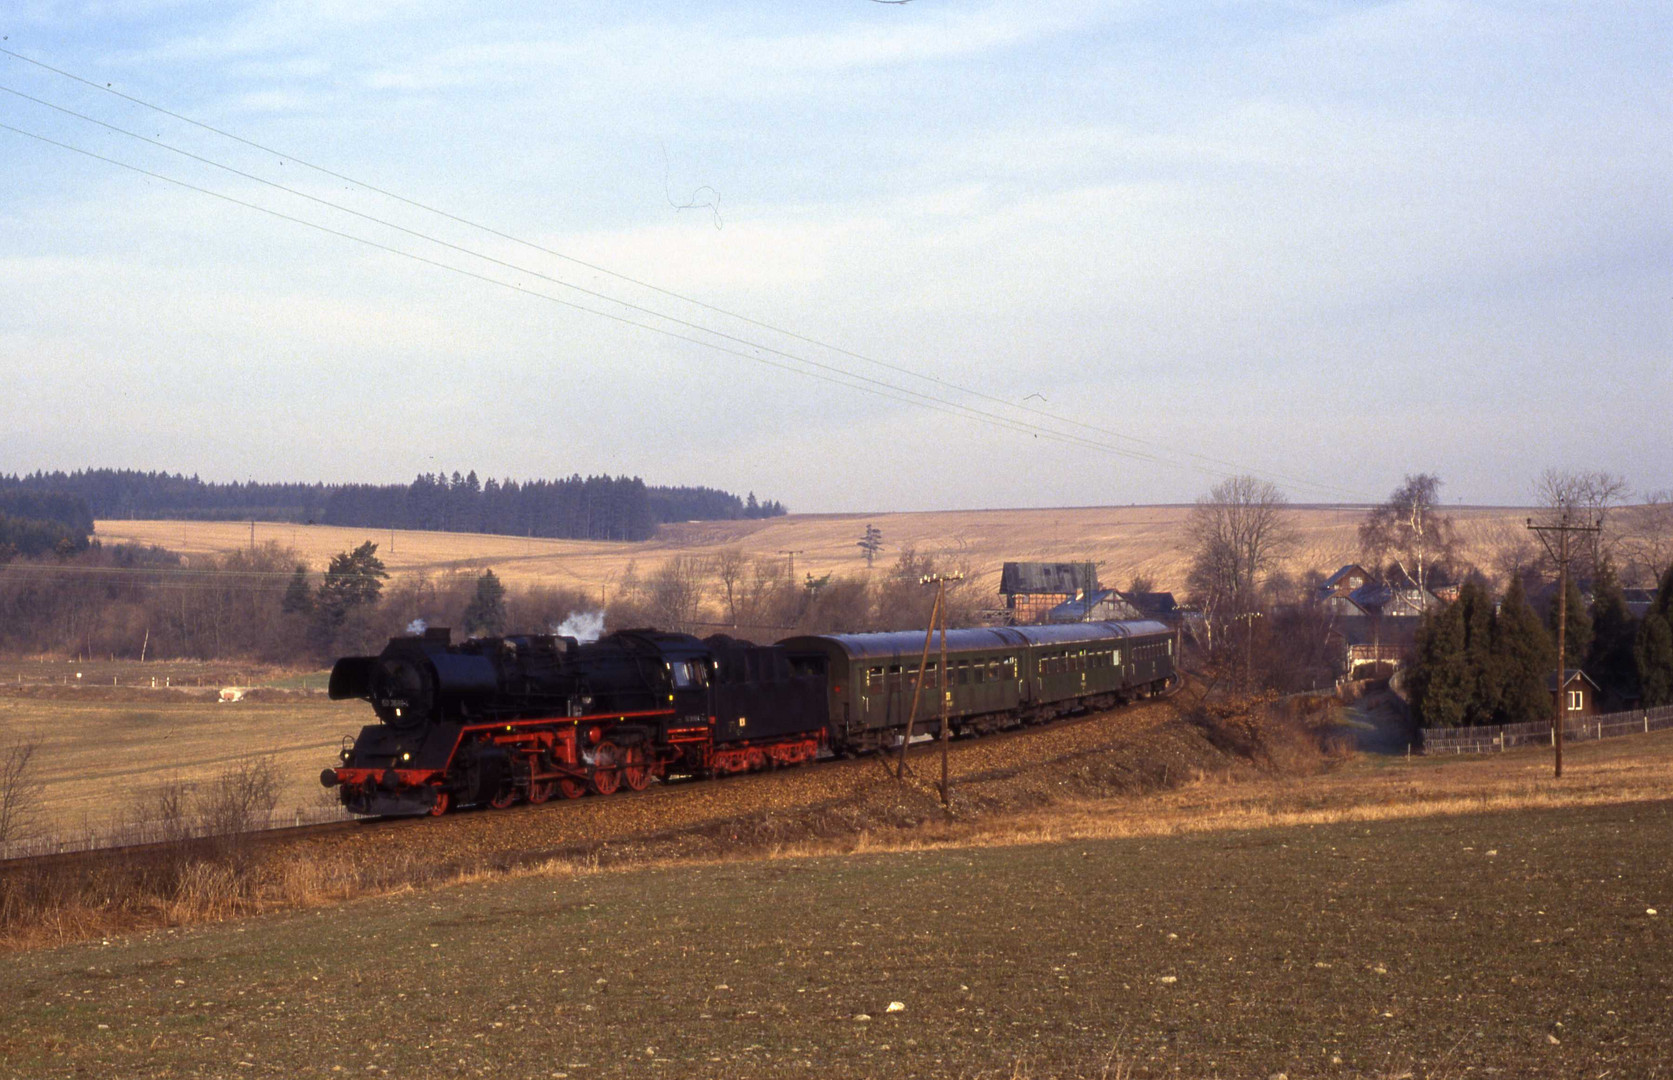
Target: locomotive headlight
x,y
397,712
406,757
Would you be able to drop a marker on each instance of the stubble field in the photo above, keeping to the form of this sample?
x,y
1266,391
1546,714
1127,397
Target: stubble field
x,y
1126,541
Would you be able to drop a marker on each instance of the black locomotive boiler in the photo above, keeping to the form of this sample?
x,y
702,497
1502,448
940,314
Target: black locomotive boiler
x,y
494,720
497,720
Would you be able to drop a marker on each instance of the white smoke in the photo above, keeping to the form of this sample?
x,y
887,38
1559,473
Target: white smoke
x,y
417,626
583,626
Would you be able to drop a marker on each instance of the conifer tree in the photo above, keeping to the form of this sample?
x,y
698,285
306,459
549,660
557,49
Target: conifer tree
x,y
1577,639
1525,656
299,599
1610,661
1441,692
1478,663
485,614
1653,649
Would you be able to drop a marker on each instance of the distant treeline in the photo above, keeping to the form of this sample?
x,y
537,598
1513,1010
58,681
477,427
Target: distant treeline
x,y
590,508
37,522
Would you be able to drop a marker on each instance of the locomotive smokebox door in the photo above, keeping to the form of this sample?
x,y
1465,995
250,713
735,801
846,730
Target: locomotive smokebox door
x,y
351,677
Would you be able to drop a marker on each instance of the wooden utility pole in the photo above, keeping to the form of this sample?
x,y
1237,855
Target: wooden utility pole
x,y
937,622
1248,619
1562,529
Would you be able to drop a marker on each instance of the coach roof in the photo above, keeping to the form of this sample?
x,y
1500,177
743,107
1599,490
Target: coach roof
x,y
906,643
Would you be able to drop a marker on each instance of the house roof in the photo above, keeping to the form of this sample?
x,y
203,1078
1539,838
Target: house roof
x,y
1041,577
1375,596
1152,603
1333,580
1569,675
1101,605
1386,630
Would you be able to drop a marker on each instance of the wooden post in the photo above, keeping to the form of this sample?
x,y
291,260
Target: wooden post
x,y
1563,528
941,605
918,685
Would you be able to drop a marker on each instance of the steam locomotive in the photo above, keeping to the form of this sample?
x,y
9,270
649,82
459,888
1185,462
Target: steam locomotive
x,y
492,721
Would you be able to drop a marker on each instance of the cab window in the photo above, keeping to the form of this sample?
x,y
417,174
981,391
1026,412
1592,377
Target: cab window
x,y
688,674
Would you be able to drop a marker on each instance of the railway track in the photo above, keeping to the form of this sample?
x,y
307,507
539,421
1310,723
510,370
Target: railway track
x,y
526,831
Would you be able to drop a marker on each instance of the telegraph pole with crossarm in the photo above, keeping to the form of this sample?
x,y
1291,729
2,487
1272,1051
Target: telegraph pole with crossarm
x,y
1564,527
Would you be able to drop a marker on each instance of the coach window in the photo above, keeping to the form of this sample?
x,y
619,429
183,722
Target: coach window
x,y
874,678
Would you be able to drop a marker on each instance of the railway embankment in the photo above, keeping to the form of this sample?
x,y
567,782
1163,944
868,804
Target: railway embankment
x,y
836,805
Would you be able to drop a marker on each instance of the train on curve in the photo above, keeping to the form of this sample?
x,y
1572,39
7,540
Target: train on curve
x,y
497,720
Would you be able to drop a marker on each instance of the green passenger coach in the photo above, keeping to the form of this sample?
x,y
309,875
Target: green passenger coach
x,y
996,677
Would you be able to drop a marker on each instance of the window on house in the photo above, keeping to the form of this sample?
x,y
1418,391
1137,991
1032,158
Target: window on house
x,y
1575,700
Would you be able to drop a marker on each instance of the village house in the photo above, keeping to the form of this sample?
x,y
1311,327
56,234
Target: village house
x,y
1033,589
1579,692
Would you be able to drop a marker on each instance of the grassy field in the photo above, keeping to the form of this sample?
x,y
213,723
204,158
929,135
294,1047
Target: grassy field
x,y
99,745
1126,541
1514,942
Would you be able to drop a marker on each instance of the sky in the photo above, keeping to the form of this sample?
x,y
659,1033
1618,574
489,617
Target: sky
x,y
853,256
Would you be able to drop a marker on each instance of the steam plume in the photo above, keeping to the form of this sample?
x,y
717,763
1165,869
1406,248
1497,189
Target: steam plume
x,y
583,626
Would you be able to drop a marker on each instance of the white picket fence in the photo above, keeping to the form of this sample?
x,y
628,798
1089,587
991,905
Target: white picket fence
x,y
1490,739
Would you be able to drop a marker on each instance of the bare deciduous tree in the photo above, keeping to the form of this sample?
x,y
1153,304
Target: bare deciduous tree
x,y
729,566
1646,540
1239,533
1588,496
675,594
1411,529
20,791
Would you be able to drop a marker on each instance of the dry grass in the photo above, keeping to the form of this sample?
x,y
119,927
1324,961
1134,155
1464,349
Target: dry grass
x,y
98,751
1364,790
1126,540
1268,781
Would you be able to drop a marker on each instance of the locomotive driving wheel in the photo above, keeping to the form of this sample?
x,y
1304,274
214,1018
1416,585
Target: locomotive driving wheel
x,y
571,788
607,773
540,791
503,798
441,805
636,773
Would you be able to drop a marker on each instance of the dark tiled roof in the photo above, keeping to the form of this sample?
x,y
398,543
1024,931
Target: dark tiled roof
x,y
1152,603
1373,630
1104,605
1037,577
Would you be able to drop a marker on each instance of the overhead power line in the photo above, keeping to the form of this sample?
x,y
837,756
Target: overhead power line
x,y
1198,461
830,374
651,312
